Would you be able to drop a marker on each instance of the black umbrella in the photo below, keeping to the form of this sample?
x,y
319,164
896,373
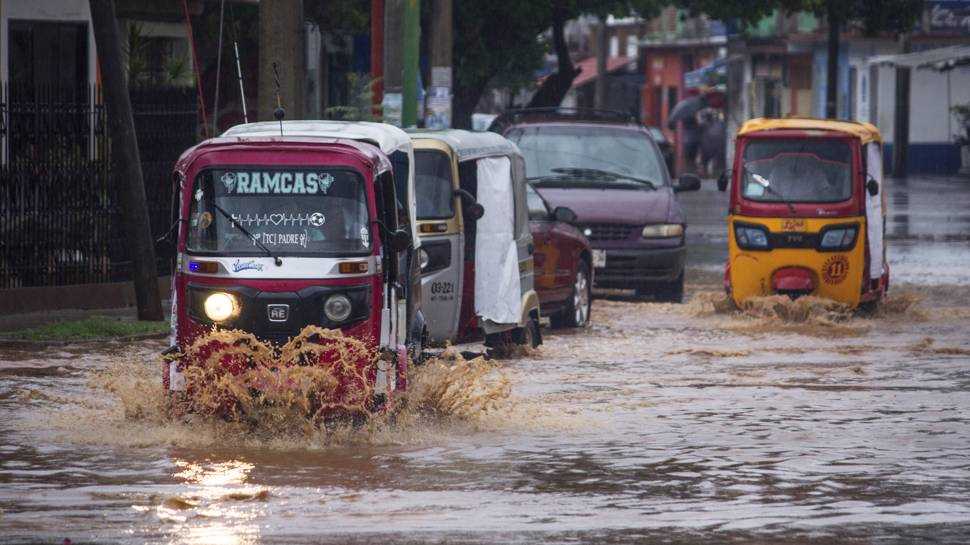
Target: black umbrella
x,y
685,108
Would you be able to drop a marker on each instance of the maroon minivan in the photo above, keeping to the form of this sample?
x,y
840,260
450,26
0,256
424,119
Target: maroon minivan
x,y
606,167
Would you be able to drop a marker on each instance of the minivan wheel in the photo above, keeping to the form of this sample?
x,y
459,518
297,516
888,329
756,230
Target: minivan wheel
x,y
580,302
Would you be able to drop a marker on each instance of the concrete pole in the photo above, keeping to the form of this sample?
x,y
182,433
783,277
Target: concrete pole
x,y
127,162
438,109
602,50
901,115
412,37
377,49
393,60
832,72
281,41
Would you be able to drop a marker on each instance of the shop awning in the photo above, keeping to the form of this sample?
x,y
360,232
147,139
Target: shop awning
x,y
941,59
712,75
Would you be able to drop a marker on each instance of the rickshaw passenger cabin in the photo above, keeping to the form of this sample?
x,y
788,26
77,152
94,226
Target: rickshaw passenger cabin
x,y
807,211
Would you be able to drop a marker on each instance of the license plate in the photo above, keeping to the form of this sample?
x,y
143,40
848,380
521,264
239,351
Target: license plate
x,y
599,259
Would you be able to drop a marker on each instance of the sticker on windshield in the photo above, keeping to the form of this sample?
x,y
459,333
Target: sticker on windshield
x,y
277,183
276,219
205,220
317,219
282,239
364,237
199,194
326,180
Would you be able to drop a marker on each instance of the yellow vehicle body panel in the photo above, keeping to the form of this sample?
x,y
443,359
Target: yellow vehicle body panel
x,y
452,225
838,275
865,132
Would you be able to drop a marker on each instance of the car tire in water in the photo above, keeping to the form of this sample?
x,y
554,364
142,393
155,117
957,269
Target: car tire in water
x,y
580,303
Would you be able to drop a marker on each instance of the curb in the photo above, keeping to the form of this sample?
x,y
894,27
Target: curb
x,y
10,342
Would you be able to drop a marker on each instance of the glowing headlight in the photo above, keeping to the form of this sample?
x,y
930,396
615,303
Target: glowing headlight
x,y
337,308
751,238
423,258
220,306
841,238
666,230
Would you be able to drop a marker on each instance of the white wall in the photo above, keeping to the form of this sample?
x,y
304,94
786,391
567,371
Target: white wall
x,y
932,94
45,10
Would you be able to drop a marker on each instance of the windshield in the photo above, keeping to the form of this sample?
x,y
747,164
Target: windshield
x,y
797,170
548,149
290,211
432,170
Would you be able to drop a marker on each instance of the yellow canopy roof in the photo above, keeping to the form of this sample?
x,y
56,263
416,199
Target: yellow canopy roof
x,y
866,132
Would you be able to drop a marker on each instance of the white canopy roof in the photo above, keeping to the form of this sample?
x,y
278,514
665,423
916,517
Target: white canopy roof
x,y
470,145
942,59
387,137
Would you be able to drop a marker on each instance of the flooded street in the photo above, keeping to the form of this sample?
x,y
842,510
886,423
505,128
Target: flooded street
x,y
661,423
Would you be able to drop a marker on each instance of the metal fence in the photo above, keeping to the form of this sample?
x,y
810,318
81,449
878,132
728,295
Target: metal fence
x,y
59,199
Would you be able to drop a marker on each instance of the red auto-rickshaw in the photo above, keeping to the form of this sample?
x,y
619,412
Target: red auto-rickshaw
x,y
280,232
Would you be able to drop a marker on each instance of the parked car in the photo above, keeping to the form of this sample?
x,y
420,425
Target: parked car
x,y
607,168
666,146
563,263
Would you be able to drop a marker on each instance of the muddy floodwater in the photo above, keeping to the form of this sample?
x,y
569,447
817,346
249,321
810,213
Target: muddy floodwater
x,y
660,423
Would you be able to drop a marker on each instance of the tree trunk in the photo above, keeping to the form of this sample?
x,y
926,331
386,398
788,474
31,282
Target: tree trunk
x,y
832,76
555,86
127,163
464,102
281,41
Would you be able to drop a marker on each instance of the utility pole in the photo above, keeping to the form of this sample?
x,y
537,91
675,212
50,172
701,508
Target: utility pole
x,y
127,163
602,45
438,110
901,115
393,60
412,37
832,76
281,40
377,50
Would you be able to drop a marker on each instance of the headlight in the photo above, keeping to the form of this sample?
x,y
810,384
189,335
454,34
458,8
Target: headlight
x,y
337,308
423,259
751,238
666,230
840,238
220,306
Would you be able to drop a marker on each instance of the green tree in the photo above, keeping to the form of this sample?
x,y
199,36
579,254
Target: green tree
x,y
499,41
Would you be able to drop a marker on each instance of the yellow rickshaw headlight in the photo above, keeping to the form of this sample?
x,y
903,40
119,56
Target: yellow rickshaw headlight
x,y
838,238
220,306
750,237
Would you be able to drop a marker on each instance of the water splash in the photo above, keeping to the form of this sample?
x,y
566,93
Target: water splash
x,y
273,398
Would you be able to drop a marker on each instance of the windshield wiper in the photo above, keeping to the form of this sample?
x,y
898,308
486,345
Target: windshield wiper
x,y
765,183
595,172
237,225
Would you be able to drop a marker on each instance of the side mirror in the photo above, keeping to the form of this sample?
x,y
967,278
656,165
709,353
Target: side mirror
x,y
722,181
687,182
400,240
564,214
475,211
872,186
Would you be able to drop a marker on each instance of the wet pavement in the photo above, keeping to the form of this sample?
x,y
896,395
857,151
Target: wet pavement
x,y
660,424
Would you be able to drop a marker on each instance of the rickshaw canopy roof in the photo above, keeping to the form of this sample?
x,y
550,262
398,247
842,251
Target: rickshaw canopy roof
x,y
865,132
386,137
469,145
368,152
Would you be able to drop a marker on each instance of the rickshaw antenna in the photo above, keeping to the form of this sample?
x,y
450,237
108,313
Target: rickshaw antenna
x,y
280,113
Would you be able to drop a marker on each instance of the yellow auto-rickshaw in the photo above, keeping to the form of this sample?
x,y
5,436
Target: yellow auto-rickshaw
x,y
807,211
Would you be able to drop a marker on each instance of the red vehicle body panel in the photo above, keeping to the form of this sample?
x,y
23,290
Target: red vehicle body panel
x,y
559,249
297,152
